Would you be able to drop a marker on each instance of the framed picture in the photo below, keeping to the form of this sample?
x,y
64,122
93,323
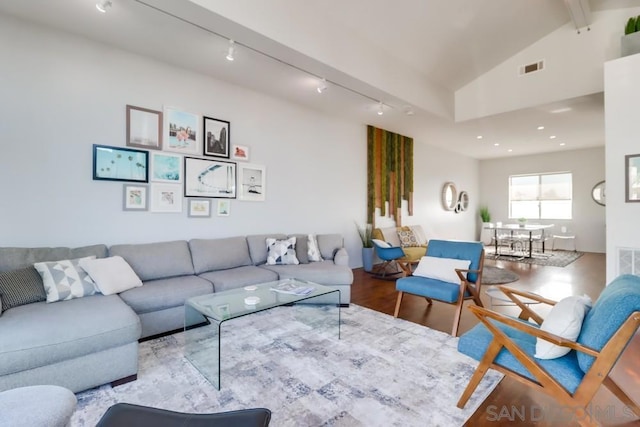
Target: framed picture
x,y
217,134
166,198
181,131
209,178
135,197
166,167
199,208
252,180
120,164
240,152
632,177
144,128
224,207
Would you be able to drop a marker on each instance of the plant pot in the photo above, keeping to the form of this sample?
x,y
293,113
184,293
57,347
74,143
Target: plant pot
x,y
630,44
486,234
367,259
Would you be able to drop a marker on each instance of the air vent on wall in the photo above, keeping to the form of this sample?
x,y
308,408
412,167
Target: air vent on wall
x,y
531,68
628,261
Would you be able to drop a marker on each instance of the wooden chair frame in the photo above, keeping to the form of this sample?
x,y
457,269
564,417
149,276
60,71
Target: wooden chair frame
x,y
597,375
465,285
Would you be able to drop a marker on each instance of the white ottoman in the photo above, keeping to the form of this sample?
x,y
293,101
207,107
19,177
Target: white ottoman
x,y
35,406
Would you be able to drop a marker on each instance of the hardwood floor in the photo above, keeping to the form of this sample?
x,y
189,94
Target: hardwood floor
x,y
512,403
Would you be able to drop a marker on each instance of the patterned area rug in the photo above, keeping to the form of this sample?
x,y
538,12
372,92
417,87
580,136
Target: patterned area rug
x,y
496,276
382,372
550,258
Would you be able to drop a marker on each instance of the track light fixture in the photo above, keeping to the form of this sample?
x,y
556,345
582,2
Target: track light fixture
x,y
102,6
322,86
380,108
231,51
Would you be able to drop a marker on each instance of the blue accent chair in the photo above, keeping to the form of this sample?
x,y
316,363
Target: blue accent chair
x,y
468,288
389,257
507,344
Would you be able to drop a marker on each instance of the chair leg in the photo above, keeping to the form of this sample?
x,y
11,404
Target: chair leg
x,y
395,313
621,395
429,300
481,370
456,319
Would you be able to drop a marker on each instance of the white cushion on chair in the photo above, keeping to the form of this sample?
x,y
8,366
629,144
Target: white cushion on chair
x,y
441,268
565,320
381,243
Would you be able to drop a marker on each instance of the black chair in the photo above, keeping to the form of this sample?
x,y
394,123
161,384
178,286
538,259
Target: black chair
x,y
128,415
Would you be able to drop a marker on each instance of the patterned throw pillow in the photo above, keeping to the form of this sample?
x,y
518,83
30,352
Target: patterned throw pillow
x,y
20,287
281,251
314,249
407,238
65,280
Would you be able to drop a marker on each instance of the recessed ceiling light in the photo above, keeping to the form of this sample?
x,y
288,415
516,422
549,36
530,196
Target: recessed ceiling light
x,y
322,86
380,109
562,144
560,110
540,127
102,6
497,144
409,111
510,150
231,51
552,137
479,137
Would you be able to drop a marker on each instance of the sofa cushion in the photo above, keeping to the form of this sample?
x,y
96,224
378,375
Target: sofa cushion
x,y
323,272
161,294
258,246
40,334
112,275
219,254
302,247
156,260
15,258
419,234
281,252
329,244
237,277
407,238
565,320
65,279
433,288
313,250
19,287
390,234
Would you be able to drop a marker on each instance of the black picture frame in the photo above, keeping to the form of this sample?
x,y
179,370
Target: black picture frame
x,y
216,137
210,178
120,164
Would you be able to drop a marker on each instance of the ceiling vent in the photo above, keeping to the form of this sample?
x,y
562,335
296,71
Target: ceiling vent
x,y
531,68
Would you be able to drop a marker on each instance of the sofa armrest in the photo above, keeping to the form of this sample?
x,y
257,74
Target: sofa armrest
x,y
341,257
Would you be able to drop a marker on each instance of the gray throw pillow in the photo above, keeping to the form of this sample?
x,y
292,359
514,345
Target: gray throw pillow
x,y
20,287
302,248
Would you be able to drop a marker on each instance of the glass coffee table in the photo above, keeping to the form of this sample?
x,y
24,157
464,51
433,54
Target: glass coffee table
x,y
204,316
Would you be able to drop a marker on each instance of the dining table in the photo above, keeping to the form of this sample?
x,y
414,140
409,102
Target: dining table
x,y
530,233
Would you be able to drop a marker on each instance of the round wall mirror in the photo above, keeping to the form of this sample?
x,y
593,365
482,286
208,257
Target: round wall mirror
x,y
463,202
449,196
598,193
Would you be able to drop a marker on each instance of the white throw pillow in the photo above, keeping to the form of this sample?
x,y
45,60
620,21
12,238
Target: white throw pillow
x,y
381,243
390,234
565,320
65,279
441,268
313,249
112,275
419,233
281,252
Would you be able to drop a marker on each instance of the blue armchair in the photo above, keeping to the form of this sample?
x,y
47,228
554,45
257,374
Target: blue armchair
x,y
464,285
508,345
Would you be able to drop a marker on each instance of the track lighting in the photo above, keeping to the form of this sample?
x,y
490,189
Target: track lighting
x,y
322,86
380,109
102,6
231,51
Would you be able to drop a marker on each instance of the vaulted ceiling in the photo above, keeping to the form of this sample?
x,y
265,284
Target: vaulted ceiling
x,y
423,60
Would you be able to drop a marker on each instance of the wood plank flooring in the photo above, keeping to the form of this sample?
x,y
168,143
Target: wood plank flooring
x,y
512,403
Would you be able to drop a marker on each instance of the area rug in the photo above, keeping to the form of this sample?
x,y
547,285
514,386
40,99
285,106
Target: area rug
x,y
382,372
496,276
550,258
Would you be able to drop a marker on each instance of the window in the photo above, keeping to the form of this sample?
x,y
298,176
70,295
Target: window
x,y
542,196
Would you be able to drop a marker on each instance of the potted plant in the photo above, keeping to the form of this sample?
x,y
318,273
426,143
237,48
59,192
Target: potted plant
x,y
522,221
630,43
485,214
365,233
485,232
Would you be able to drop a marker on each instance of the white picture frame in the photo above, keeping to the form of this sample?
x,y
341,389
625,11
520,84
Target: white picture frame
x,y
240,152
224,207
166,198
166,167
252,182
181,131
199,208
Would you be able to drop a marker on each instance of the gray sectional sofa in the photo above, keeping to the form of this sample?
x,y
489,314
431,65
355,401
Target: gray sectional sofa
x,y
90,341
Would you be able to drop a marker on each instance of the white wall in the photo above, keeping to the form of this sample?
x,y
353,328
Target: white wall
x,y
587,167
59,94
622,89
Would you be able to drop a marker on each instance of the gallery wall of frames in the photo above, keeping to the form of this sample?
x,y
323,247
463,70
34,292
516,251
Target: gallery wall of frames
x,y
173,155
